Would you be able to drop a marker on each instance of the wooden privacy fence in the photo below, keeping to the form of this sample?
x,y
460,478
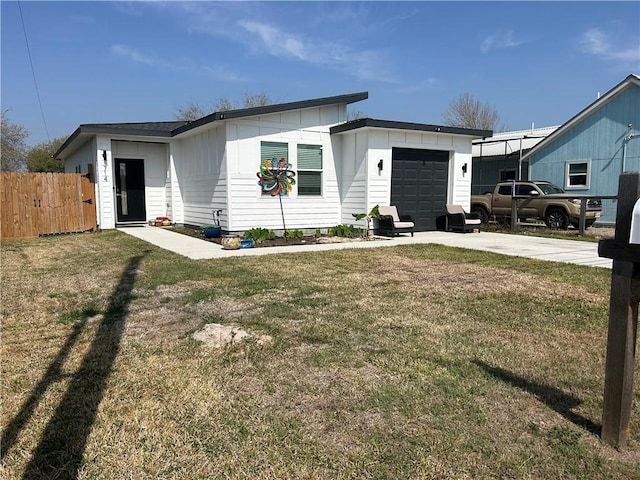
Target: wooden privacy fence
x,y
33,204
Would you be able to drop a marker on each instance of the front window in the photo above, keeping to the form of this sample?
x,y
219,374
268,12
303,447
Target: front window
x,y
577,174
309,175
273,152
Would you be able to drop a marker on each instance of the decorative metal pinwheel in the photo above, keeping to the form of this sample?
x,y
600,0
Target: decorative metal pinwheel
x,y
276,177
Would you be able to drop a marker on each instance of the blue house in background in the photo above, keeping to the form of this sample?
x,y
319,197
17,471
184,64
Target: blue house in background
x,y
587,154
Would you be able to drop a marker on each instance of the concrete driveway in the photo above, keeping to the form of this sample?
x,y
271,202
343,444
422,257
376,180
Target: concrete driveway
x,y
555,250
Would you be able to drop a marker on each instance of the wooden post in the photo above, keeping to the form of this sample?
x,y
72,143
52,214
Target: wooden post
x,y
583,215
623,316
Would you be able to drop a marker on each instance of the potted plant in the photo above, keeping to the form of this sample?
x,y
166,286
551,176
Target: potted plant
x,y
368,217
213,230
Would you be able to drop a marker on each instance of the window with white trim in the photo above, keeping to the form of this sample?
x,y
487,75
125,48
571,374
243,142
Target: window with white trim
x,y
309,174
271,151
577,174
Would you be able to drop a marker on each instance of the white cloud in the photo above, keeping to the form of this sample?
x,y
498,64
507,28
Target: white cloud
x,y
243,24
222,74
498,41
136,56
218,72
596,42
275,41
363,64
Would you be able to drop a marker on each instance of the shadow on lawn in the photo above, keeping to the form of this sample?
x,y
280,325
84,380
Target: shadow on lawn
x,y
553,397
60,450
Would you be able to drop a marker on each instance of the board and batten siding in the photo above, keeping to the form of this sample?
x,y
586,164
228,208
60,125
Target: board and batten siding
x,y
380,147
200,179
598,139
460,153
248,207
352,167
156,163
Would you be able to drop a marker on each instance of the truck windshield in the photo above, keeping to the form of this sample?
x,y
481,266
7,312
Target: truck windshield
x,y
549,188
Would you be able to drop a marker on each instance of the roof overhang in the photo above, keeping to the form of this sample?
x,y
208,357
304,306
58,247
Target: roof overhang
x,y
277,108
145,132
163,131
416,127
623,85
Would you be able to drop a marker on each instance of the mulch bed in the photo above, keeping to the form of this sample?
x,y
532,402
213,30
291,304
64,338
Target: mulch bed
x,y
277,242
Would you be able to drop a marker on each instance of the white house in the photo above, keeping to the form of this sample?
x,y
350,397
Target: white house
x,y
186,170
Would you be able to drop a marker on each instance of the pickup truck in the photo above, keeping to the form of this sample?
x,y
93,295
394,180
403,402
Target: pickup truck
x,y
544,201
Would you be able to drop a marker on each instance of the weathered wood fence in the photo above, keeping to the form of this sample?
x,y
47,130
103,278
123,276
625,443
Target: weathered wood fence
x,y
33,204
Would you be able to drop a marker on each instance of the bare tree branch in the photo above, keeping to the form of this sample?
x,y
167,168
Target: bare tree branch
x,y
467,112
193,111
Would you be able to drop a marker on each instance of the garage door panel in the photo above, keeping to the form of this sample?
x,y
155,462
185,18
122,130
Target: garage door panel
x,y
419,184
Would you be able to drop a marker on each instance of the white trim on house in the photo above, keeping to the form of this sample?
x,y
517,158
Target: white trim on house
x,y
568,175
193,169
601,100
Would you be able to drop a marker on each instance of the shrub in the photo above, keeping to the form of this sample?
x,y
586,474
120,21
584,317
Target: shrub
x,y
259,234
345,230
294,234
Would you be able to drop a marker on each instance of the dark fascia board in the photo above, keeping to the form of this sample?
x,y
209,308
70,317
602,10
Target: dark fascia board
x,y
149,129
420,127
171,129
276,108
67,142
627,82
146,129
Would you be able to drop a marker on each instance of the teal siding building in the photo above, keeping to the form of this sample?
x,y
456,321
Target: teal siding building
x,y
500,157
587,154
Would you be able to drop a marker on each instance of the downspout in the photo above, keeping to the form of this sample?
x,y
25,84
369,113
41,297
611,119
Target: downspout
x,y
520,162
98,194
626,140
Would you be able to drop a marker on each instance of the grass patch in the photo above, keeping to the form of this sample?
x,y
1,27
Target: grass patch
x,y
419,361
592,234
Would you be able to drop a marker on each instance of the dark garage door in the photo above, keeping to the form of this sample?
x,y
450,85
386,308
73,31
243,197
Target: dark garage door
x,y
419,184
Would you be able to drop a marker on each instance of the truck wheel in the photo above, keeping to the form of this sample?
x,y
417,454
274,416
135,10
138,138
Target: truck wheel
x,y
556,219
481,213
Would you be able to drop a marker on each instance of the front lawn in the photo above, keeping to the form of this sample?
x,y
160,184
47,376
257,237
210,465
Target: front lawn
x,y
400,362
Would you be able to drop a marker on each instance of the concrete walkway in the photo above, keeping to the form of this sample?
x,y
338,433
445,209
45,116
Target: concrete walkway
x,y
555,250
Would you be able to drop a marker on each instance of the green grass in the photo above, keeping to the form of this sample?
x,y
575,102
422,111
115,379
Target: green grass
x,y
419,361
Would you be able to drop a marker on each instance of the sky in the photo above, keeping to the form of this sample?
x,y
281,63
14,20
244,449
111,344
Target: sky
x,y
102,62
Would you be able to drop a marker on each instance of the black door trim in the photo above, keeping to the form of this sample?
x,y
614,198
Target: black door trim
x,y
130,191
